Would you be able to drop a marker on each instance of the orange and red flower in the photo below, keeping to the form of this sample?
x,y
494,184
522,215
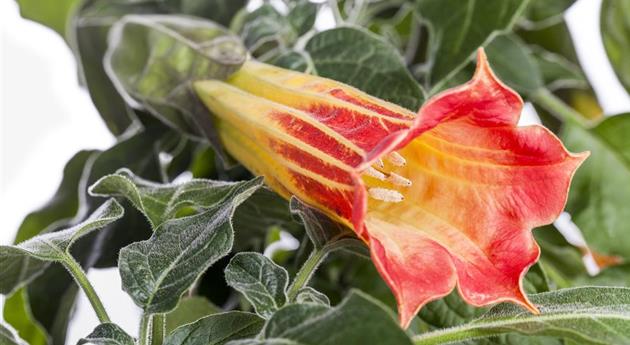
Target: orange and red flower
x,y
446,197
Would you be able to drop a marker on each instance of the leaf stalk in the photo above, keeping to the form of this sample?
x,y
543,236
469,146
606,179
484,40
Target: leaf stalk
x,y
79,276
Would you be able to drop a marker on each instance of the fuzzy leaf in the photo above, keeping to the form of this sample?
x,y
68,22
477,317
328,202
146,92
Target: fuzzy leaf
x,y
21,263
587,315
8,336
108,334
217,329
615,29
309,295
363,60
260,280
157,271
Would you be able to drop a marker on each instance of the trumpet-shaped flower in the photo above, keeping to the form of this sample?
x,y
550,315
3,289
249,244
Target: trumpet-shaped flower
x,y
446,197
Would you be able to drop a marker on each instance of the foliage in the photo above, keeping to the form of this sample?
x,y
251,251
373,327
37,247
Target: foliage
x,y
204,256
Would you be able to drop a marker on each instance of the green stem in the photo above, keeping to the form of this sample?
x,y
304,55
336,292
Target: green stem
x,y
79,276
335,10
159,329
557,107
453,335
306,272
145,332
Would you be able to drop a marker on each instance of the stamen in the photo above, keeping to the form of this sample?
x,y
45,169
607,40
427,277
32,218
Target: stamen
x,y
379,163
375,173
387,195
396,159
399,180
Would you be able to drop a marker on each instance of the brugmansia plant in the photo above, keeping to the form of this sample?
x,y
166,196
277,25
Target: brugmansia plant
x,y
384,143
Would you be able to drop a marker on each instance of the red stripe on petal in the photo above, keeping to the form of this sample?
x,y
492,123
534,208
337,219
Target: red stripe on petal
x,y
364,103
338,201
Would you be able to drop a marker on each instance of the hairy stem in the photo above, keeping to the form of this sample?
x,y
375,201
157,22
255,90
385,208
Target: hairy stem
x,y
79,276
306,272
453,335
158,329
557,107
145,332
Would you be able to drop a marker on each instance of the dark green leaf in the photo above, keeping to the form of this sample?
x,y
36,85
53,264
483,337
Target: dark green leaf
x,y
302,16
615,28
161,202
357,320
260,280
153,59
157,271
363,60
558,72
587,315
293,60
53,14
512,61
217,329
220,11
108,334
309,295
189,309
546,12
458,28
265,29
561,260
600,193
21,263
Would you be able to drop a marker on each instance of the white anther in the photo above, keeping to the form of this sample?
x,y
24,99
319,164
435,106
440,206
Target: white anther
x,y
387,195
379,163
398,180
375,173
396,159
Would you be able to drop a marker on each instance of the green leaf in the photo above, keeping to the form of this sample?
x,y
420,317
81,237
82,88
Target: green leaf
x,y
363,60
189,309
512,61
587,315
541,13
108,334
17,313
615,29
457,28
302,16
357,320
600,193
53,14
153,59
265,29
309,295
562,261
157,271
293,60
8,336
161,202
21,263
220,11
558,72
260,280
217,329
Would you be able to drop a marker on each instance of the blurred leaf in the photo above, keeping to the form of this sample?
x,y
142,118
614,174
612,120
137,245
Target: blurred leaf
x,y
512,61
588,315
612,276
363,60
265,29
293,60
153,59
615,29
260,280
217,329
157,271
357,320
220,11
108,334
458,28
558,72
302,16
17,313
189,309
8,336
600,193
309,295
53,14
21,263
542,13
562,261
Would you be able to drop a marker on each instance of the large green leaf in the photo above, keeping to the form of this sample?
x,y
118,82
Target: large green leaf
x,y
260,280
458,28
217,329
8,336
157,271
357,320
189,310
365,61
107,334
21,263
600,193
153,59
542,13
512,61
615,28
53,14
587,315
17,313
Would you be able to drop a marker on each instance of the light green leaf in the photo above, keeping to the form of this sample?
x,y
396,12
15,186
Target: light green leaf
x,y
8,336
357,320
108,334
161,202
615,28
189,309
260,280
17,313
53,14
363,60
512,61
457,28
266,29
157,271
600,193
309,295
217,329
153,59
21,263
587,315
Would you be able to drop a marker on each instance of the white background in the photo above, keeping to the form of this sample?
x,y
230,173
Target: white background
x,y
45,117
